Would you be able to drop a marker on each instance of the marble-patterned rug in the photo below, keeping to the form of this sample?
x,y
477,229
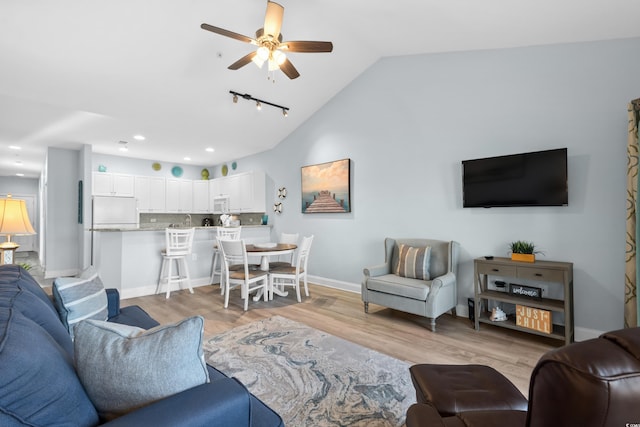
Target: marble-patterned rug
x,y
312,378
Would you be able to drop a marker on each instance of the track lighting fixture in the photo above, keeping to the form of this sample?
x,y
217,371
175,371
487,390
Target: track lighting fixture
x,y
259,102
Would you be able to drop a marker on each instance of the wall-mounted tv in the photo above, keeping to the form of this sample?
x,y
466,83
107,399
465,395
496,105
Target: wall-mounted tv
x,y
528,179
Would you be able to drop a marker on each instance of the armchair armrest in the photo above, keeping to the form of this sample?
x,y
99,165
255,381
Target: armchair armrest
x,y
448,279
113,302
423,414
221,403
376,270
440,282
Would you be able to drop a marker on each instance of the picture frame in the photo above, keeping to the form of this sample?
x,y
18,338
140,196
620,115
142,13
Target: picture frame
x,y
326,187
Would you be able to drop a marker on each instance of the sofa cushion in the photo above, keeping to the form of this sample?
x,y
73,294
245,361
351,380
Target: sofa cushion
x,y
38,384
80,298
400,286
12,275
124,367
413,262
32,307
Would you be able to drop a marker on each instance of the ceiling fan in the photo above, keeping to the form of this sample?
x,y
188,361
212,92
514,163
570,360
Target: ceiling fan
x,y
271,48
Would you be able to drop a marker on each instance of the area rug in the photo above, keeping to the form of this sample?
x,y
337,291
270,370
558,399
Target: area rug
x,y
312,378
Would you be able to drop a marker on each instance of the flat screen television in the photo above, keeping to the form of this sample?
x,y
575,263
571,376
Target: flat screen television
x,y
528,179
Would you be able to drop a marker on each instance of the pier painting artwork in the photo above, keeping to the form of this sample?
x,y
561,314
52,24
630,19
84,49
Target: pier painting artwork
x,y
326,187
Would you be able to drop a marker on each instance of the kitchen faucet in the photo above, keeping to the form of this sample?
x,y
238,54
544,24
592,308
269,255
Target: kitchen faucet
x,y
187,222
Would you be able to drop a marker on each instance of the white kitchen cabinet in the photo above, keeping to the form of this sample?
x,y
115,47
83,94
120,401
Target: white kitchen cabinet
x,y
112,184
150,192
179,196
246,192
201,196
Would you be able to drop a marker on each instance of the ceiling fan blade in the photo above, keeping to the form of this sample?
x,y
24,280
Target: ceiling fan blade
x,y
288,68
228,33
306,46
273,19
242,61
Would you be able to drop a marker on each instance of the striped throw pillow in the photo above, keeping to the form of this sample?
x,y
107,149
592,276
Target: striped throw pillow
x,y
80,298
413,262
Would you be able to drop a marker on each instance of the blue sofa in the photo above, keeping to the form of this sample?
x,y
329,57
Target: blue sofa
x,y
39,385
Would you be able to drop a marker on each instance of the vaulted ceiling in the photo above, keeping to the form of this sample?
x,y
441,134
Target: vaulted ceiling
x,y
84,72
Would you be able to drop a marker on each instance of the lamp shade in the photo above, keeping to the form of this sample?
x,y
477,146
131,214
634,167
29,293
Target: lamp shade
x,y
14,219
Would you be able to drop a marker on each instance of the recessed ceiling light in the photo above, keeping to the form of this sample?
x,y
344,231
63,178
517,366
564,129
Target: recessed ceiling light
x,y
139,137
18,162
209,150
187,158
19,174
15,147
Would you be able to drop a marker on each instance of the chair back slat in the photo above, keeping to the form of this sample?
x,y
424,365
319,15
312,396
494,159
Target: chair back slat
x,y
303,253
229,233
179,241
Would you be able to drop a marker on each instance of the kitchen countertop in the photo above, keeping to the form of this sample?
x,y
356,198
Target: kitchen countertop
x,y
154,227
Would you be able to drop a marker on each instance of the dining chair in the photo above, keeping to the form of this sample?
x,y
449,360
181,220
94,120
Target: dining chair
x,y
285,260
179,242
291,275
227,233
234,253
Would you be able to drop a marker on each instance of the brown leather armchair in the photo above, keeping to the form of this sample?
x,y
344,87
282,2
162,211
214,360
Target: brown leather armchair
x,y
593,383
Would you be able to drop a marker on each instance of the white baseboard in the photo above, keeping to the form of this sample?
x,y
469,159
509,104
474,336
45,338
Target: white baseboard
x,y
52,274
336,284
146,290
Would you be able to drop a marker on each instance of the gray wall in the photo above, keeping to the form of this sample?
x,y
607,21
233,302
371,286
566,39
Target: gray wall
x,y
408,122
62,243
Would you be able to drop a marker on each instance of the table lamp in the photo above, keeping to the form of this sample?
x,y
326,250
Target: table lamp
x,y
14,221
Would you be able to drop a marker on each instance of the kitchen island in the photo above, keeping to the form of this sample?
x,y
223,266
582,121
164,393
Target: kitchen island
x,y
129,259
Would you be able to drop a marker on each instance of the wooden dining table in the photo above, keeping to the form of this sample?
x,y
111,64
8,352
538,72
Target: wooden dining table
x,y
266,250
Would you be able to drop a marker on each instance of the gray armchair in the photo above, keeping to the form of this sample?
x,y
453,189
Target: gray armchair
x,y
430,298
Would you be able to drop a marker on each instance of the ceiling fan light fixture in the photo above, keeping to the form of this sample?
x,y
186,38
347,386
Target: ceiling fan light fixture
x,y
279,57
263,53
259,62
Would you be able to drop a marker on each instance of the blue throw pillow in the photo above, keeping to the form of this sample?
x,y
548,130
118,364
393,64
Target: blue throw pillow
x,y
124,367
80,298
38,383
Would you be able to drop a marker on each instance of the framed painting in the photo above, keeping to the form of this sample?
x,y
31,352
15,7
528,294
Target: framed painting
x,y
326,187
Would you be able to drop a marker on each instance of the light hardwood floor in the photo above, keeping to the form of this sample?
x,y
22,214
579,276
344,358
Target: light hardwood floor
x,y
400,335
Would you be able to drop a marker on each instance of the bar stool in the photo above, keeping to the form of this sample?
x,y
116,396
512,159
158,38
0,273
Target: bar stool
x,y
222,233
179,242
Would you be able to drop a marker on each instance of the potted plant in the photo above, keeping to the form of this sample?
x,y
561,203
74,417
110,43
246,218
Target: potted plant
x,y
523,251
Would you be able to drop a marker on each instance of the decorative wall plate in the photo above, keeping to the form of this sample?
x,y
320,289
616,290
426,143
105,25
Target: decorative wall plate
x,y
156,166
176,171
234,165
225,170
204,173
277,207
282,192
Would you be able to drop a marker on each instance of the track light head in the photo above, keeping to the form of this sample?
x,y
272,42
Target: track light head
x,y
235,98
258,105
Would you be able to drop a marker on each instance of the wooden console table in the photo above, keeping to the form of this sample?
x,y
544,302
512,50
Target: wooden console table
x,y
547,272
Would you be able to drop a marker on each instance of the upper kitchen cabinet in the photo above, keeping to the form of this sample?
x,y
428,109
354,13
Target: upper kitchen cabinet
x,y
179,196
150,192
201,196
112,184
245,192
